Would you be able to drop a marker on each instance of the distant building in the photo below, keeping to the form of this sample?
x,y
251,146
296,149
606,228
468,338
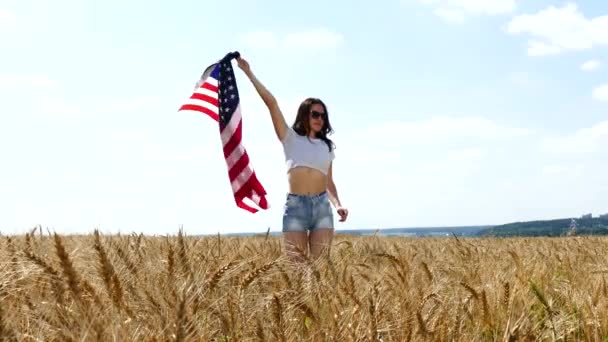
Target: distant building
x,y
604,216
587,216
572,229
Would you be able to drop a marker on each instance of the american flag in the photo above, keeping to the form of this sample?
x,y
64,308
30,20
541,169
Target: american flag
x,y
217,95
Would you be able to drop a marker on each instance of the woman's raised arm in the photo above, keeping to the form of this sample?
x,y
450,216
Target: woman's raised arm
x,y
278,120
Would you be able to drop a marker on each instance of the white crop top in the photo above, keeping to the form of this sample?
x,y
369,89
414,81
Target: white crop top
x,y
303,151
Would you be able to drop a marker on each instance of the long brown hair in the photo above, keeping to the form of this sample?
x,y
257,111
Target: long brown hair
x,y
301,123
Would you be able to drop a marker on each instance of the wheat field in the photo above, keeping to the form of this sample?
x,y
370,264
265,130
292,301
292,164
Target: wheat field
x,y
141,288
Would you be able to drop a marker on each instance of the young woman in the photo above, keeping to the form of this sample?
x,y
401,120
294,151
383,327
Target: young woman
x,y
309,154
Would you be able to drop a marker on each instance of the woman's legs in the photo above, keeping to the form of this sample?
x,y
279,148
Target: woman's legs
x,y
303,213
296,245
295,223
320,242
322,231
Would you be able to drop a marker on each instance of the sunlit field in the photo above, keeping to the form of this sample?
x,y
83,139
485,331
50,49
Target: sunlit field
x,y
140,288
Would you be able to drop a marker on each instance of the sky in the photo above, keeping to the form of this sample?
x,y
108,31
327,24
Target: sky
x,y
445,112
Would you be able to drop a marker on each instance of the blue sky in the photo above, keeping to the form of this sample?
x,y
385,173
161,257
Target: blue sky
x,y
446,112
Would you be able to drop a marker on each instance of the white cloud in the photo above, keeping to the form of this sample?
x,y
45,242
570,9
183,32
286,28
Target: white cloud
x,y
57,108
442,129
7,19
315,39
484,6
132,104
590,65
129,136
450,15
586,140
524,79
554,30
140,145
455,11
467,154
311,40
600,93
456,162
561,171
260,39
14,81
538,48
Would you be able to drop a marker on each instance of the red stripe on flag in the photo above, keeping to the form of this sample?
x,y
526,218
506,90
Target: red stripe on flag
x,y
231,138
234,141
209,86
252,186
201,109
242,205
206,98
239,166
247,188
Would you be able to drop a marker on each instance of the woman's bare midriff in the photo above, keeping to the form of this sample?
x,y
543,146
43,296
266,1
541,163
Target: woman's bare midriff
x,y
306,181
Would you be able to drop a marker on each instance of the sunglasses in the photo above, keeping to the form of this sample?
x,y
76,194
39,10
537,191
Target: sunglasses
x,y
315,115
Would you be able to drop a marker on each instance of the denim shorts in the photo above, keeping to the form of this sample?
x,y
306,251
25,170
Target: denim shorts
x,y
307,212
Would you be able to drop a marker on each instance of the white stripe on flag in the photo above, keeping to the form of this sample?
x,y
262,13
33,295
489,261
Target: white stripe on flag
x,y
236,154
241,179
232,125
205,91
211,81
202,103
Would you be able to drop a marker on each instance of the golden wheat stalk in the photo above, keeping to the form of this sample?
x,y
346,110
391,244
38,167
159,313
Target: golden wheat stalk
x,y
69,271
217,276
255,274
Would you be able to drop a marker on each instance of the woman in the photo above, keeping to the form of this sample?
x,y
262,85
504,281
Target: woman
x,y
309,157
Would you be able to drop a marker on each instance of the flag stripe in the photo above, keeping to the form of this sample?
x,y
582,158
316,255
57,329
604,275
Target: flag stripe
x,y
239,167
234,126
211,83
235,155
204,110
241,191
208,92
241,179
205,104
232,142
206,99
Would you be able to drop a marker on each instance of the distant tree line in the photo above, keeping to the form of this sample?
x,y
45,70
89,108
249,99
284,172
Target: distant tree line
x,y
559,227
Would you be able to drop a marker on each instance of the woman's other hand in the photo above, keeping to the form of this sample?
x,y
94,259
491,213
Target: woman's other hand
x,y
243,65
343,212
